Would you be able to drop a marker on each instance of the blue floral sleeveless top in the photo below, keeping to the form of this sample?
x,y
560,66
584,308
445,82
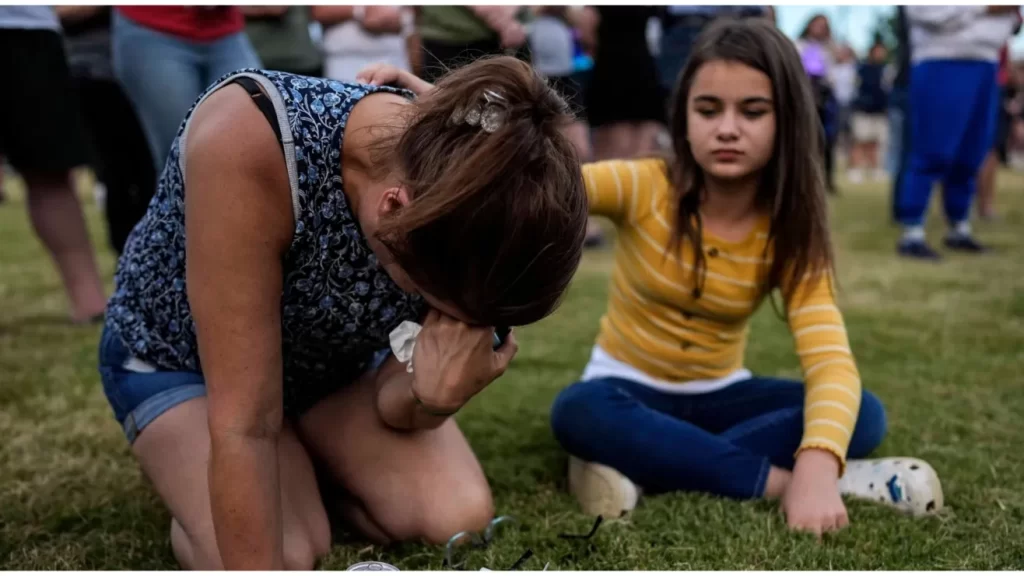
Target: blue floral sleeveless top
x,y
338,304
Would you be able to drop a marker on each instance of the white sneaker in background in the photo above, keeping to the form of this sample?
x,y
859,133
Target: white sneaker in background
x,y
907,484
600,490
855,176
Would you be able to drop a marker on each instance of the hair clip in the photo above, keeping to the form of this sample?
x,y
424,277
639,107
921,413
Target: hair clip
x,y
490,116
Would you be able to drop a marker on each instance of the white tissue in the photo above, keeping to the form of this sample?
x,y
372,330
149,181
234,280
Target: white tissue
x,y
403,342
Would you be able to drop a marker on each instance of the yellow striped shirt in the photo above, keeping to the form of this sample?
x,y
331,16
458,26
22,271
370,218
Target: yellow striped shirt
x,y
655,324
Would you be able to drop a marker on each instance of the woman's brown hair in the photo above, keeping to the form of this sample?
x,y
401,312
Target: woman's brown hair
x,y
792,186
497,220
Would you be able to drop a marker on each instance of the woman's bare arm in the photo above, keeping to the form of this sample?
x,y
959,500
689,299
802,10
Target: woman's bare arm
x,y
72,14
238,222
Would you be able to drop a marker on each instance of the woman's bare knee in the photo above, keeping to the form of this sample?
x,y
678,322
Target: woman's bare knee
x,y
195,552
319,534
300,552
468,508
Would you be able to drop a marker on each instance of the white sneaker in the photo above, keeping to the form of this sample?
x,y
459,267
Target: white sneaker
x,y
600,490
855,176
907,484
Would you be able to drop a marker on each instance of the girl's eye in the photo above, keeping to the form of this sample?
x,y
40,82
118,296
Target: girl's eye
x,y
752,114
707,112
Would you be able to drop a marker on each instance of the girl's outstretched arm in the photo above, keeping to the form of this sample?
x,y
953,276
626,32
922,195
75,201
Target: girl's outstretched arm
x,y
622,190
381,74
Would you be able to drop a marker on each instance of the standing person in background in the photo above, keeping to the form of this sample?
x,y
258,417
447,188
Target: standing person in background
x,y
997,156
815,44
868,122
625,102
121,158
554,47
452,36
356,36
280,36
953,99
42,135
681,25
898,151
844,86
165,56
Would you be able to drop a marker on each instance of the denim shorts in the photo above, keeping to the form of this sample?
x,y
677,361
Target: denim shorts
x,y
140,393
137,392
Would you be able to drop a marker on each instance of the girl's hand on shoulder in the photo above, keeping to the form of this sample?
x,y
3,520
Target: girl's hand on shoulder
x,y
812,502
386,74
453,361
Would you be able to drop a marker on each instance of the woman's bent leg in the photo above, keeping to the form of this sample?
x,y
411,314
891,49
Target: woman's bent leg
x,y
419,485
174,451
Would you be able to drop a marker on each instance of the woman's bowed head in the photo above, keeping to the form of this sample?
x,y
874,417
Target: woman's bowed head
x,y
489,213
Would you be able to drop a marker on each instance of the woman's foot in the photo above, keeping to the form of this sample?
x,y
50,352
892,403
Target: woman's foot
x,y
600,490
907,484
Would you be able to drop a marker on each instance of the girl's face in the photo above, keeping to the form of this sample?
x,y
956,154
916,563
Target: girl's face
x,y
730,119
818,29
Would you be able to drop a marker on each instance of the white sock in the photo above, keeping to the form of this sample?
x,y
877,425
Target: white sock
x,y
962,228
913,233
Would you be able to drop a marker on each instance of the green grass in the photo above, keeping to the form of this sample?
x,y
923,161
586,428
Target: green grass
x,y
942,345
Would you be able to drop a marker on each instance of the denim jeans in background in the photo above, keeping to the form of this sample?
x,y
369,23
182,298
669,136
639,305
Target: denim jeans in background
x,y
676,45
163,75
721,442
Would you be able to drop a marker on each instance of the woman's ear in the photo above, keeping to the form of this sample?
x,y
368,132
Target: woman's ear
x,y
393,199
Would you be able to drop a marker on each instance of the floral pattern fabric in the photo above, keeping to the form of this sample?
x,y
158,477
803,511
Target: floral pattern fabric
x,y
338,304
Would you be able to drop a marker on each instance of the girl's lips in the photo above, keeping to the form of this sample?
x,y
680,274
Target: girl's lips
x,y
726,154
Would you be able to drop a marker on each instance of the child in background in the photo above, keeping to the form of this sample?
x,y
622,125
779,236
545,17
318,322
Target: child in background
x,y
869,124
665,403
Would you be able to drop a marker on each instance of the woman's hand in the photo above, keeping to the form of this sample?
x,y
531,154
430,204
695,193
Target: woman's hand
x,y
812,502
513,35
381,74
453,362
383,19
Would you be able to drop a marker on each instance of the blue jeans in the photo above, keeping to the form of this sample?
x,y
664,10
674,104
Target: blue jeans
x,y
952,117
163,75
721,442
676,45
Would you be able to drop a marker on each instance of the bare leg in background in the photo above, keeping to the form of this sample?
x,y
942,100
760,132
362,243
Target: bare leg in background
x,y
57,218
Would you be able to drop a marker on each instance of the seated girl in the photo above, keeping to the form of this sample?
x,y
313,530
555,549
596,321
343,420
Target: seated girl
x,y
297,223
665,403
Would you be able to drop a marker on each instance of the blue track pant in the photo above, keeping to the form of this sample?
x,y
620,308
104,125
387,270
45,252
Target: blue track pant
x,y
953,105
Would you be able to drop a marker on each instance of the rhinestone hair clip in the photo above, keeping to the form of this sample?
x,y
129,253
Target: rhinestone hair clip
x,y
490,115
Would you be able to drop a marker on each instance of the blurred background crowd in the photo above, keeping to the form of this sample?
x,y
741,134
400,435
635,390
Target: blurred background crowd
x,y
119,80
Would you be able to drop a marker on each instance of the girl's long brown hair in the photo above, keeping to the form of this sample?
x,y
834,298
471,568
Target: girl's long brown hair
x,y
792,183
